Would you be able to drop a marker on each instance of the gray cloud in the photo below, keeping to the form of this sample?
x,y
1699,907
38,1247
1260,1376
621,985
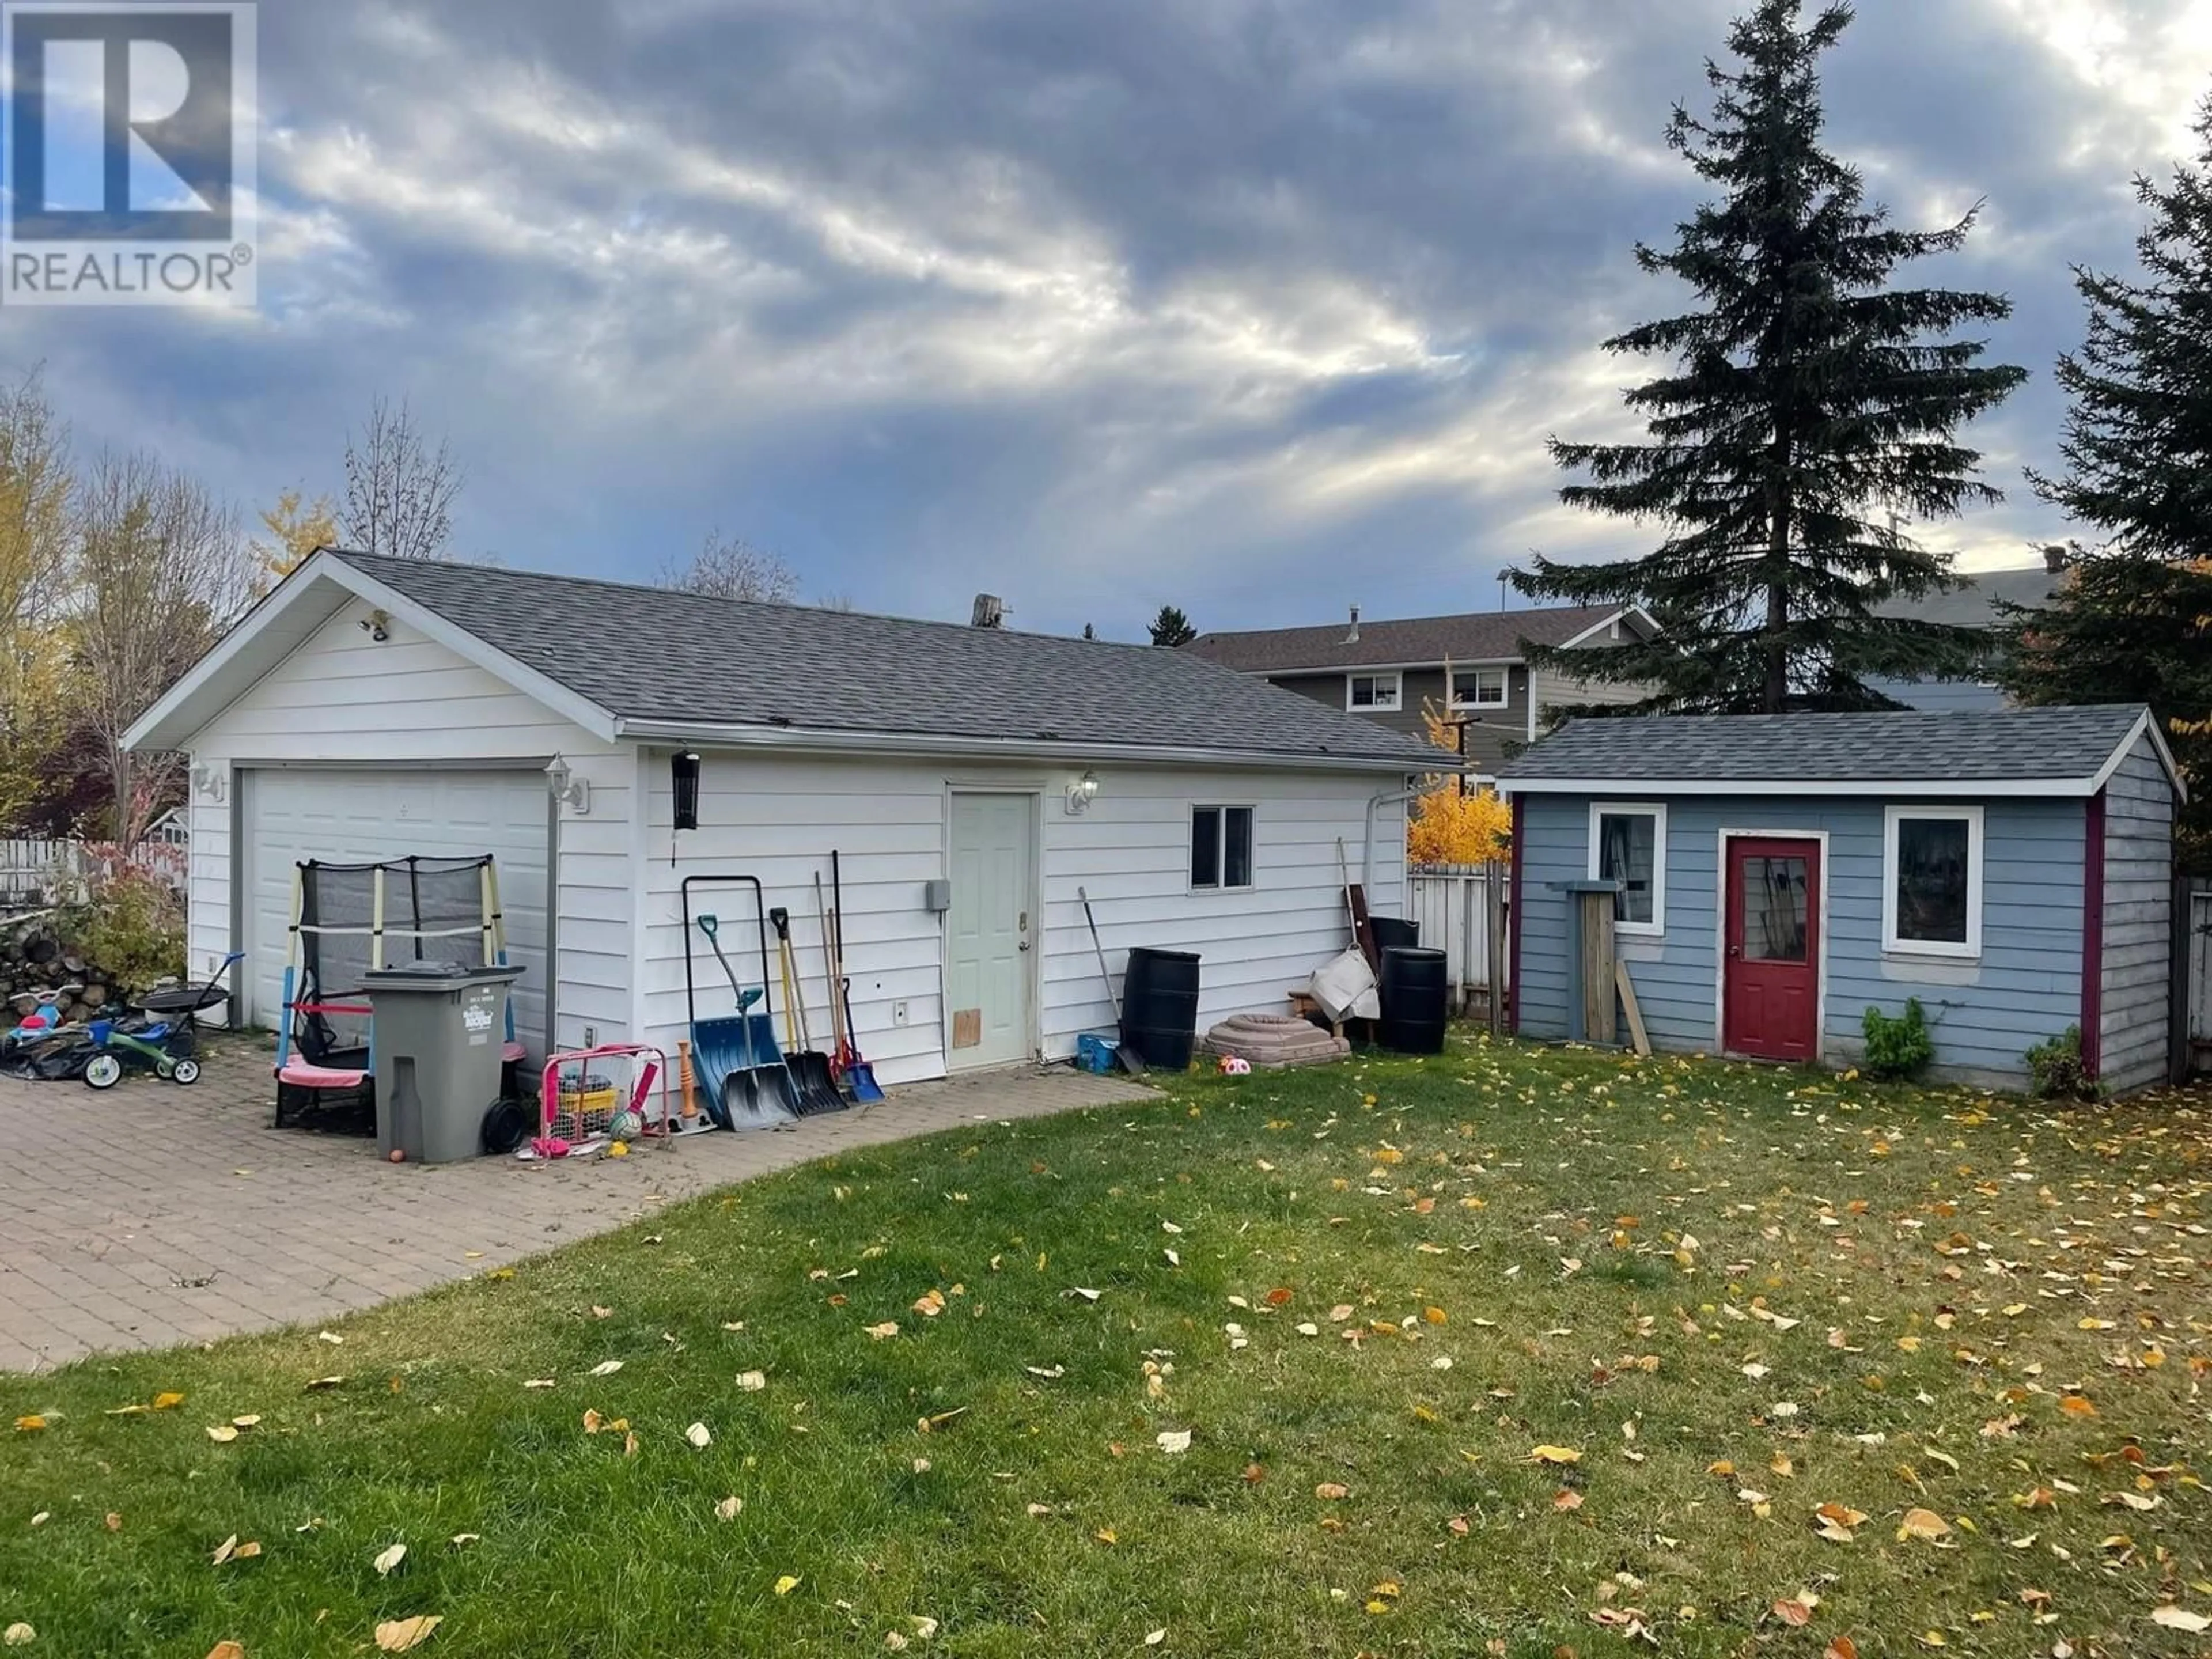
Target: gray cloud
x,y
1259,308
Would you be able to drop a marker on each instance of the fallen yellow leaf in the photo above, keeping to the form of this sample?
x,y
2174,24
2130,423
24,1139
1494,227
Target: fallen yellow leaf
x,y
1555,1455
785,1585
1925,1524
400,1635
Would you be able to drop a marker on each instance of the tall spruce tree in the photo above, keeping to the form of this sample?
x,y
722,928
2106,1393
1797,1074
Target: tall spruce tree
x,y
2134,621
1810,407
2138,438
1171,628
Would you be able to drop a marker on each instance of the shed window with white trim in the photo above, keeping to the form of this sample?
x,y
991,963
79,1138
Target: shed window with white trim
x,y
1931,881
1220,847
1628,844
1480,688
1376,693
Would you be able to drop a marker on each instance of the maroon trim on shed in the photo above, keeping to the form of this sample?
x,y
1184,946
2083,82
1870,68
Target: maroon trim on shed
x,y
2093,933
1513,916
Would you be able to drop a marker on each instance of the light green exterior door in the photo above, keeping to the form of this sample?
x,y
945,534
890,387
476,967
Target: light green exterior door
x,y
991,930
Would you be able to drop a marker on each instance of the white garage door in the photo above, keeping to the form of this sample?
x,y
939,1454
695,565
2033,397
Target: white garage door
x,y
363,816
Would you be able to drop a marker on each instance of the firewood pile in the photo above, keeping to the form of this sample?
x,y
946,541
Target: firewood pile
x,y
37,968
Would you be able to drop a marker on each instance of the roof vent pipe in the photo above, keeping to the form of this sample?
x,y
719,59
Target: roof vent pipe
x,y
1352,638
989,611
2054,557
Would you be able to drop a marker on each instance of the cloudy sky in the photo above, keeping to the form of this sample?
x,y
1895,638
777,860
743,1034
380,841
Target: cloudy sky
x,y
1261,308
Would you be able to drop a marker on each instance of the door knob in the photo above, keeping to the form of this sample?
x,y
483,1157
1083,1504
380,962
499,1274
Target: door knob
x,y
1024,946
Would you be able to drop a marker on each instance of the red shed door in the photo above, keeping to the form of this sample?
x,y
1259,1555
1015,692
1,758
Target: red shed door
x,y
1770,976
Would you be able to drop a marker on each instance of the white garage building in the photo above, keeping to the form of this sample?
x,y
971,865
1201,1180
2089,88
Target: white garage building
x,y
372,707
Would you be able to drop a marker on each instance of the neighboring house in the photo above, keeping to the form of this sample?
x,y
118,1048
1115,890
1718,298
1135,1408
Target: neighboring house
x,y
1977,604
371,707
2011,868
1385,671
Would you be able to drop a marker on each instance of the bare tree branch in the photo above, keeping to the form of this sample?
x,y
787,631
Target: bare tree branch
x,y
398,491
732,568
159,571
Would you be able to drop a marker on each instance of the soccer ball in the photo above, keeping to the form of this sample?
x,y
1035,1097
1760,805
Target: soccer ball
x,y
625,1125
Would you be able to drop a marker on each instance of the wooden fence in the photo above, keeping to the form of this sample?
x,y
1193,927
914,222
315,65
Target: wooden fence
x,y
1451,904
2200,978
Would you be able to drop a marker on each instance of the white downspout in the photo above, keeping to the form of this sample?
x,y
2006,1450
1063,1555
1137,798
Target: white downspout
x,y
1367,841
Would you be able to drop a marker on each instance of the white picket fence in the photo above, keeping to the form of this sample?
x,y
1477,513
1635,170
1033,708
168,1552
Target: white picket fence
x,y
36,871
1451,904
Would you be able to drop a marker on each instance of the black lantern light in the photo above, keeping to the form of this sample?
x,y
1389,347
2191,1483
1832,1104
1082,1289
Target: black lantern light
x,y
684,777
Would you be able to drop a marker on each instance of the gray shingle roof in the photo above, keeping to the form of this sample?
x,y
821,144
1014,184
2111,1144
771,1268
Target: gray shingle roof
x,y
1975,605
1983,745
648,654
1477,636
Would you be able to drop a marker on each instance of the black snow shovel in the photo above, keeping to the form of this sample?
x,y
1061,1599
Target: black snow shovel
x,y
810,1067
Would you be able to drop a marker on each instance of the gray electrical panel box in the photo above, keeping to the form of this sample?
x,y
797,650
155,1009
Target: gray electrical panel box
x,y
937,896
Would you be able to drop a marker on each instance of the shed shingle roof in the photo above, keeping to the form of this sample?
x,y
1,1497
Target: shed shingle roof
x,y
652,654
1477,636
1992,746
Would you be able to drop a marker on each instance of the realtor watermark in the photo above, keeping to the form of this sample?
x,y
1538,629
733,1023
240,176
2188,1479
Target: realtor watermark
x,y
130,162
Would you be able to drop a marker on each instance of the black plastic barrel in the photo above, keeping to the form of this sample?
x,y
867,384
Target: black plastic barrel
x,y
1392,934
1413,985
1159,1006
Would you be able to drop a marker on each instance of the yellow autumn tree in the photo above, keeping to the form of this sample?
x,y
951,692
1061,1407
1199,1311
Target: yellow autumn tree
x,y
1445,826
297,527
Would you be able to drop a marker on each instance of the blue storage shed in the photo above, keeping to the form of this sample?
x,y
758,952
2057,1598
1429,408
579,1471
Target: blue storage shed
x,y
1779,874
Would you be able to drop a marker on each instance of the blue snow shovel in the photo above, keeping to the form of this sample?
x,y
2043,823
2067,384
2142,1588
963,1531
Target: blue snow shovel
x,y
754,1092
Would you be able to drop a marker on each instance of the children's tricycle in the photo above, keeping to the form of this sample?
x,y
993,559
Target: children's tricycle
x,y
159,1036
165,1045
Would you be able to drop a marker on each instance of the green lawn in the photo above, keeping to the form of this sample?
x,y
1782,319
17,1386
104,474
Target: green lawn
x,y
1366,1294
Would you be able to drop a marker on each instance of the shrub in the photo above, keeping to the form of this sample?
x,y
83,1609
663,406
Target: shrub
x,y
2055,1069
132,926
1897,1047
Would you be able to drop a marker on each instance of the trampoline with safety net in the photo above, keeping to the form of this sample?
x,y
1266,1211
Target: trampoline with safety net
x,y
348,920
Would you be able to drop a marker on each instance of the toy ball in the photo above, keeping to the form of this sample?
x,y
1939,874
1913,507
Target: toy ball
x,y
398,1154
619,1149
1236,1066
625,1125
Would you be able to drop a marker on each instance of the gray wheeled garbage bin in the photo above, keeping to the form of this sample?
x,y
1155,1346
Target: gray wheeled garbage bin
x,y
440,1033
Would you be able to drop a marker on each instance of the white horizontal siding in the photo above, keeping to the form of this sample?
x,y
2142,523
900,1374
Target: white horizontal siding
x,y
344,698
777,819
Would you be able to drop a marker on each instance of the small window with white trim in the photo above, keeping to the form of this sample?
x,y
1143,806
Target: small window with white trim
x,y
1373,693
1628,844
1931,881
1479,688
1220,847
